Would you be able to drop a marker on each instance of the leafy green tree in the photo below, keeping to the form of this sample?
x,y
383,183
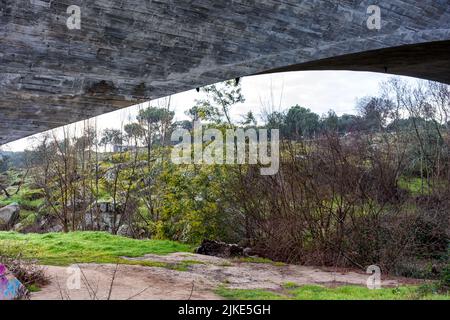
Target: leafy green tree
x,y
111,137
348,123
134,131
193,205
3,163
374,112
155,122
185,124
223,96
330,122
249,120
301,122
276,120
203,110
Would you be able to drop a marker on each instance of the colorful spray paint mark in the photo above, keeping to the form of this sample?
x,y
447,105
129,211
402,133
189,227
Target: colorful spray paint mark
x,y
10,287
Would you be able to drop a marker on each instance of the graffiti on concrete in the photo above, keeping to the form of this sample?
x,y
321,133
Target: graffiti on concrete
x,y
10,287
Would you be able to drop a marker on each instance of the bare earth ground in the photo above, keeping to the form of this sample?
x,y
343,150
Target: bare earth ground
x,y
198,283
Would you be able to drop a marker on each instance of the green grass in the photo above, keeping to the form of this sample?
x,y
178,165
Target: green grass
x,y
414,186
253,260
313,292
28,199
33,288
62,249
259,260
30,205
185,265
243,294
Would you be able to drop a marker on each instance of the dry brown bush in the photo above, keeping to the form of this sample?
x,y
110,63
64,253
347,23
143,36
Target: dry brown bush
x,y
337,202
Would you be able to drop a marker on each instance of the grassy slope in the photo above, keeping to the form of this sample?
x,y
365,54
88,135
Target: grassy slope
x,y
61,249
98,247
293,292
22,198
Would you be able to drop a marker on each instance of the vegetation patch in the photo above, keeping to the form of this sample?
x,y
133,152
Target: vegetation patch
x,y
314,292
415,186
63,249
259,260
31,275
244,294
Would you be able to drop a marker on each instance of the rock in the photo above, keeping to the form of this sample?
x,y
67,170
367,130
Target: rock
x,y
103,221
49,223
125,231
104,207
220,249
248,252
100,216
55,228
9,216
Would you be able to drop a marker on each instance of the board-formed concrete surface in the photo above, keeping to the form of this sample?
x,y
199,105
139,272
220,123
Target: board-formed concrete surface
x,y
129,51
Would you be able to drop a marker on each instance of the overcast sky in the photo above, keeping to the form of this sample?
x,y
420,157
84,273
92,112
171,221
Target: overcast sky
x,y
320,91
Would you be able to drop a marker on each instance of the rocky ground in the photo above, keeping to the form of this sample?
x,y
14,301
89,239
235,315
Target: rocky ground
x,y
199,282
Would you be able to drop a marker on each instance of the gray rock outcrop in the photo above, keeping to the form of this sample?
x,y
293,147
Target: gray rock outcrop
x,y
9,216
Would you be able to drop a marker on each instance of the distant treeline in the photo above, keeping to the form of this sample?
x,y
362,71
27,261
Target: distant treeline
x,y
9,159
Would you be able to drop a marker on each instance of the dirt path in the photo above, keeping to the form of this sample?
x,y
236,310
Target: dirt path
x,y
205,274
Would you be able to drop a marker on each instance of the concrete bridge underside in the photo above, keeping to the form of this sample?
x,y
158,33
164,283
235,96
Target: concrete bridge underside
x,y
130,51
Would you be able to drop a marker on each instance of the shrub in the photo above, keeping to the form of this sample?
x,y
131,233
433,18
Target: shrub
x,y
28,272
337,202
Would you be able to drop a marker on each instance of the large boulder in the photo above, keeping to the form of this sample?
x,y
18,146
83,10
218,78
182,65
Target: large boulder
x,y
100,216
9,216
125,231
220,249
103,221
48,223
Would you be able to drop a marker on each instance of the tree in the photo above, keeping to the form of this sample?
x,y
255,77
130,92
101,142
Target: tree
x,y
343,124
185,124
155,122
348,123
301,122
3,163
249,120
276,120
223,96
134,131
331,121
375,112
203,110
111,137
